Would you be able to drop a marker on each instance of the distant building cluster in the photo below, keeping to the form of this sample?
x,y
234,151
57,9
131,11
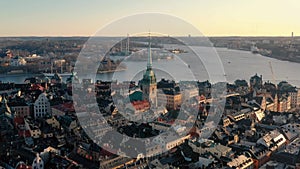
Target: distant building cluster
x,y
33,63
283,48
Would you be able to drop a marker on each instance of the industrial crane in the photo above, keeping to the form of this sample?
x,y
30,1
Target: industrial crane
x,y
273,76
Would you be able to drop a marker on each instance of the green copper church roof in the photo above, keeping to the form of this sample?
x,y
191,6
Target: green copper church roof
x,y
136,96
149,76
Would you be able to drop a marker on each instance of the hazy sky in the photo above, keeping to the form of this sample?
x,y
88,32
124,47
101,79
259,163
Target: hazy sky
x,y
211,17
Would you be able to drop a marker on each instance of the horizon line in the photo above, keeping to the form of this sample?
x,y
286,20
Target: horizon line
x,y
212,36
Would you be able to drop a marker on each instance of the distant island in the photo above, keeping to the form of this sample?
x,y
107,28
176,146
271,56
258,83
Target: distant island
x,y
108,65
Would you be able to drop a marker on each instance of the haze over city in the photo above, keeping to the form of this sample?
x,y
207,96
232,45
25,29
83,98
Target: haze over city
x,y
212,18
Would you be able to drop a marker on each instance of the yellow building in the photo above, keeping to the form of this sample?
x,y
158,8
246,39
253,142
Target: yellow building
x,y
53,122
170,99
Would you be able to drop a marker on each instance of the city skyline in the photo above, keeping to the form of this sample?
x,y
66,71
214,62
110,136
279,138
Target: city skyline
x,y
140,84
213,18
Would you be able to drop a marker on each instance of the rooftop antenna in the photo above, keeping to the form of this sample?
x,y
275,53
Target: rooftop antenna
x,y
292,41
273,75
127,47
121,45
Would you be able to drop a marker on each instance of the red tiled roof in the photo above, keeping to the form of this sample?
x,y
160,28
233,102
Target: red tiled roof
x,y
66,107
25,133
37,87
18,121
200,98
139,105
23,166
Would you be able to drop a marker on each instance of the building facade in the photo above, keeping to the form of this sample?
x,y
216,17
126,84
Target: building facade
x,y
170,98
20,109
41,107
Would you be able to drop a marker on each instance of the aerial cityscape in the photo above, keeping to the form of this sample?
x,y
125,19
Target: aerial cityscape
x,y
138,96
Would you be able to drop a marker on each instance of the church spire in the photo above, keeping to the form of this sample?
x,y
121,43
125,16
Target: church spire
x,y
149,63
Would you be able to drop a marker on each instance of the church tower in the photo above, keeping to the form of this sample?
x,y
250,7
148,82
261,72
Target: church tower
x,y
148,83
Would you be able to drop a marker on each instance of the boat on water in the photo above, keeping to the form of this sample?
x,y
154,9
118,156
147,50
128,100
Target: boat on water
x,y
60,74
254,49
111,71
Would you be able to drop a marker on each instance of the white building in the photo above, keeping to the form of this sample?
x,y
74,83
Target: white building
x,y
41,106
241,162
292,127
189,93
38,162
273,140
35,132
295,98
169,140
17,61
217,150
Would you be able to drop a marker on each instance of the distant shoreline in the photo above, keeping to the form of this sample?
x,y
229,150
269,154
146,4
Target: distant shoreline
x,y
281,58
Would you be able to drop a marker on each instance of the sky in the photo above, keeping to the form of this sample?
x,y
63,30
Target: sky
x,y
211,17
